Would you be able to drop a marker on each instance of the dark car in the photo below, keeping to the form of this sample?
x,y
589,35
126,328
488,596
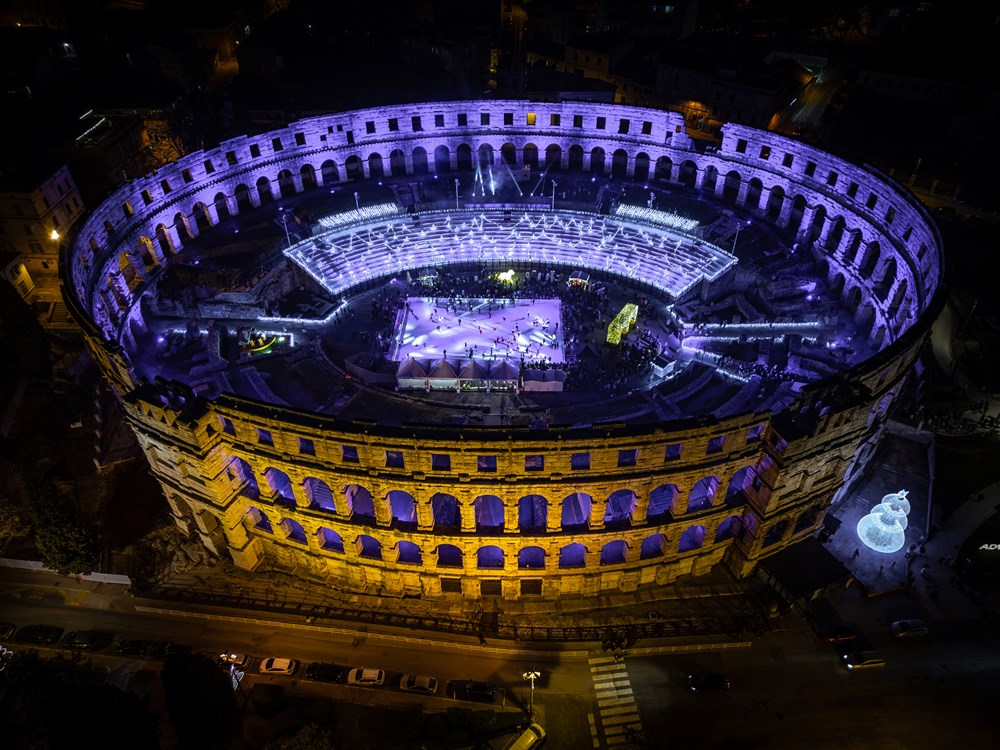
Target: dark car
x,y
473,690
702,683
88,640
133,647
838,633
325,672
163,649
43,635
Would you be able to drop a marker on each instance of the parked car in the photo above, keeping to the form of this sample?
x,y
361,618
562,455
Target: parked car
x,y
472,690
88,640
702,683
43,635
326,672
240,661
908,628
274,665
414,683
365,676
133,647
530,738
838,633
163,649
863,660
6,630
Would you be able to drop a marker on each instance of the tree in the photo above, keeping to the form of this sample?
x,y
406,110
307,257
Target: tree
x,y
309,737
65,540
200,700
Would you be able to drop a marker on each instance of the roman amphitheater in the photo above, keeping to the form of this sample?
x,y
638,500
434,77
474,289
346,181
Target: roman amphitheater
x,y
502,348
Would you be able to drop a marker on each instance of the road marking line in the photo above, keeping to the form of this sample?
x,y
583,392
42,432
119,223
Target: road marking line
x,y
612,710
611,720
612,702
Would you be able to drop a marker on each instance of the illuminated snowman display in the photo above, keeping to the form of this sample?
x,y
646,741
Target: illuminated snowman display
x,y
884,528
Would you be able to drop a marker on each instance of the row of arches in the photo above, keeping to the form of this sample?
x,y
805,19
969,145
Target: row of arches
x,y
576,510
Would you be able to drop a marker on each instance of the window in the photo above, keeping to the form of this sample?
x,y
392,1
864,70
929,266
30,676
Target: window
x,y
439,121
623,126
647,128
300,139
755,433
264,437
28,231
370,127
890,215
508,118
451,585
577,121
627,457
765,152
716,444
186,174
350,137
306,447
254,150
810,168
394,459
554,120
580,461
601,122
831,178
463,120
486,463
673,452
415,123
349,454
231,158
780,446
741,146
872,200
852,190
127,210
531,587
393,124
534,463
787,160
440,462
165,186
209,167
530,119
484,118
35,248
491,588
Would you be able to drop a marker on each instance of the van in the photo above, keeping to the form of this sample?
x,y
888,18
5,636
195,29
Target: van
x,y
530,738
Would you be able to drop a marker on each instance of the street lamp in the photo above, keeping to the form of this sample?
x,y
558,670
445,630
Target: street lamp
x,y
456,193
736,237
284,223
54,234
531,675
357,205
553,202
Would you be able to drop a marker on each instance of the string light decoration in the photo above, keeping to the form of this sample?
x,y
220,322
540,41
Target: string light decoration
x,y
622,323
883,530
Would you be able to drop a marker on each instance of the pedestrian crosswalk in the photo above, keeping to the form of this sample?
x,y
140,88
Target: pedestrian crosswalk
x,y
617,714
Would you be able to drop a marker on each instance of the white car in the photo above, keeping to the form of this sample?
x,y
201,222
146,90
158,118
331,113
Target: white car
x,y
365,676
240,661
415,683
274,665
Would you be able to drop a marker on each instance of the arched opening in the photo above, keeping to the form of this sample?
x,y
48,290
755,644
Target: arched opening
x,y
258,520
728,529
444,509
613,553
531,155
402,506
641,170
239,471
489,512
294,532
376,169
808,519
329,540
663,502
702,494
887,281
281,486
897,298
575,157
408,553
576,511
573,556
442,159
531,557
308,176
319,495
870,259
146,252
653,546
490,556
851,251
731,187
449,556
485,155
201,218
244,202
329,171
360,503
775,202
776,533
553,156
755,189
837,284
688,173
619,163
619,507
738,485
597,161
463,157
397,163
508,154
182,228
163,240
369,547
853,299
420,160
664,168
286,186
711,181
221,207
354,168
692,538
532,513
264,194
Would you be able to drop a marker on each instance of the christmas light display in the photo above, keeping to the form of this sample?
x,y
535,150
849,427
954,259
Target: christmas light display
x,y
884,528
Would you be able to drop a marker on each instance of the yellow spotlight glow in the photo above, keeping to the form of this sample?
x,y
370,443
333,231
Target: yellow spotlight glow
x,y
54,235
